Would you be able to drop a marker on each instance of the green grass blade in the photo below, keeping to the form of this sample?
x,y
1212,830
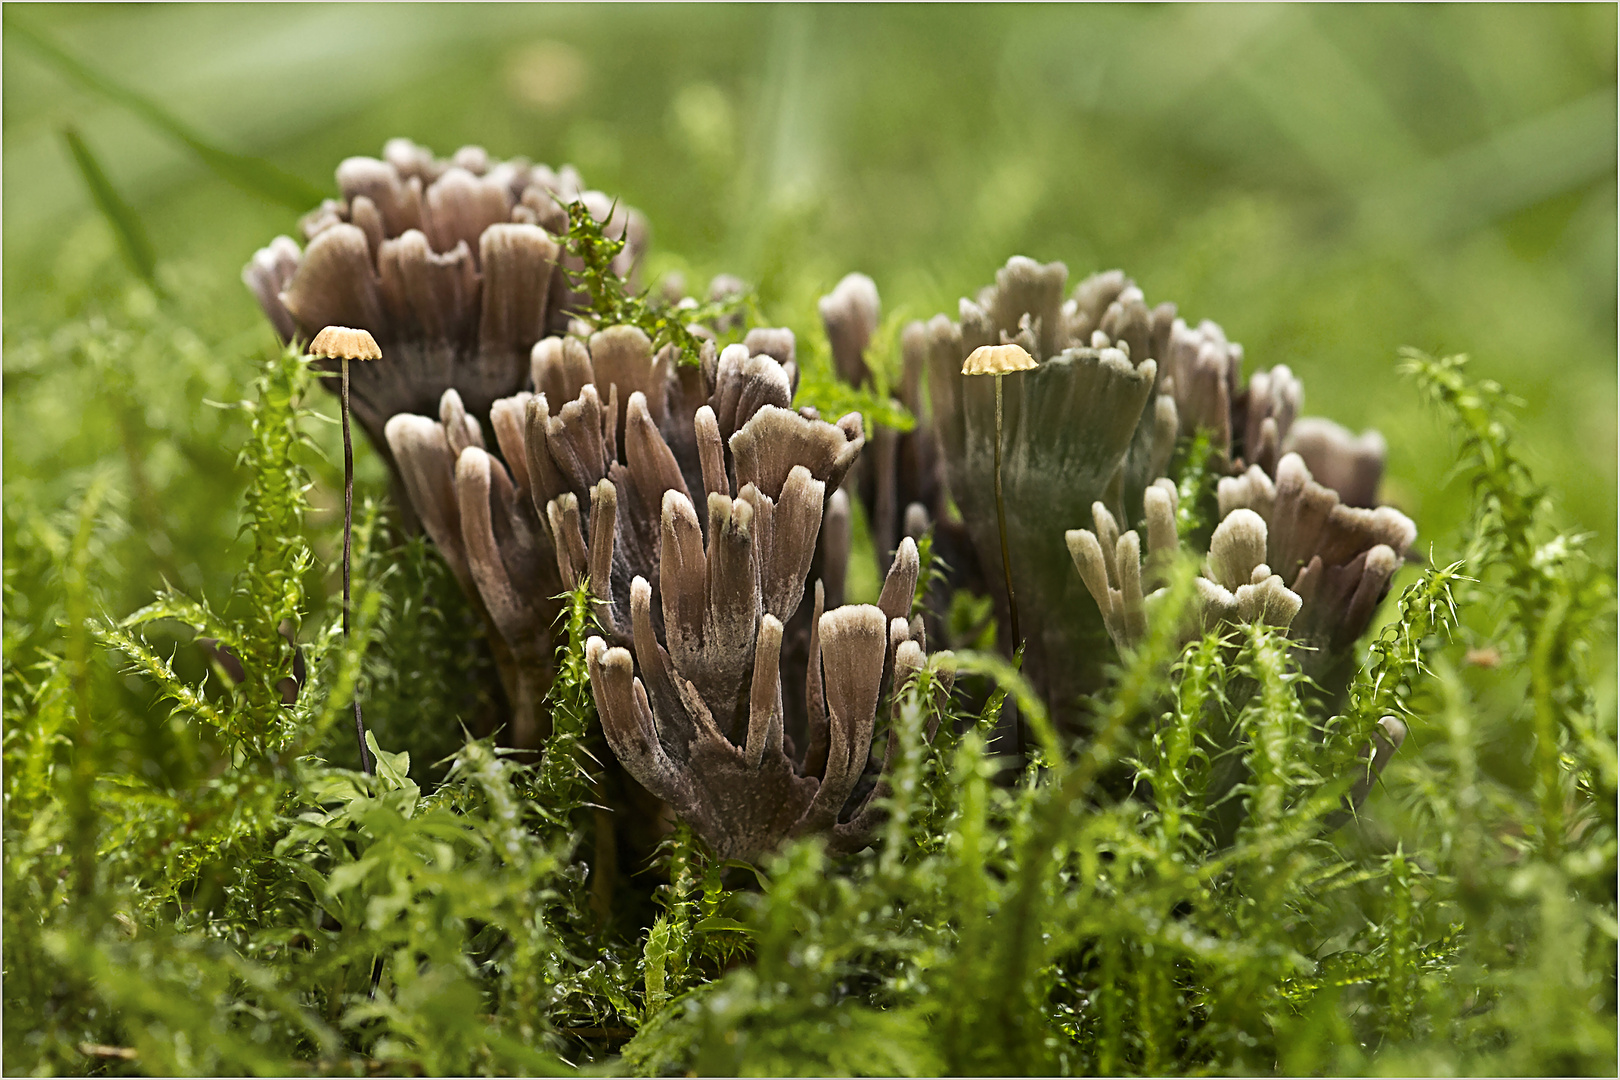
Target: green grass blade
x,y
126,224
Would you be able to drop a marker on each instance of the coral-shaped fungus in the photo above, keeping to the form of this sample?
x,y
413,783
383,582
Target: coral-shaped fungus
x,y
452,265
1092,431
584,466
606,488
706,725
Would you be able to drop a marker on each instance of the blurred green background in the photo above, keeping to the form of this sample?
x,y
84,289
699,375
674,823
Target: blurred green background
x,y
1329,183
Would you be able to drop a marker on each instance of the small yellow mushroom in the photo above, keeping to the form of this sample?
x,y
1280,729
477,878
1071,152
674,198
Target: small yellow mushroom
x,y
997,360
344,343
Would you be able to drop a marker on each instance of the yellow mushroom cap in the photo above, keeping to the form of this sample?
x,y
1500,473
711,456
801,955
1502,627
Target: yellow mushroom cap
x,y
344,343
997,360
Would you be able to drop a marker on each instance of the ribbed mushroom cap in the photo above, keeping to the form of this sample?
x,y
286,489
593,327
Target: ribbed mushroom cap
x,y
997,360
344,343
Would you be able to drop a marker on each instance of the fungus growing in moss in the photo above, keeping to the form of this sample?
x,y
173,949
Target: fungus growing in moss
x,y
343,343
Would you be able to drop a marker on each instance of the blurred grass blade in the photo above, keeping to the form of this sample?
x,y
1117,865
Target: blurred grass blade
x,y
251,174
126,225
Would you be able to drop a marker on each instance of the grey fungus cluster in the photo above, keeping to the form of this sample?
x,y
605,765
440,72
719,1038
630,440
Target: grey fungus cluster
x,y
1084,426
1299,542
588,470
692,499
538,452
707,726
453,265
1089,437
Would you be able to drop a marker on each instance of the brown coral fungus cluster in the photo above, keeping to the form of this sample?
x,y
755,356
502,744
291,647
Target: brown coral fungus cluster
x,y
451,265
606,487
540,448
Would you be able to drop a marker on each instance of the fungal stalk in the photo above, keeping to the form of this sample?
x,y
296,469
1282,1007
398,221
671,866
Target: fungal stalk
x,y
344,344
996,361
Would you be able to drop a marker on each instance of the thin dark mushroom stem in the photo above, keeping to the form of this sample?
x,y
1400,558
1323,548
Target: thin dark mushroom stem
x,y
1001,526
996,361
348,525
